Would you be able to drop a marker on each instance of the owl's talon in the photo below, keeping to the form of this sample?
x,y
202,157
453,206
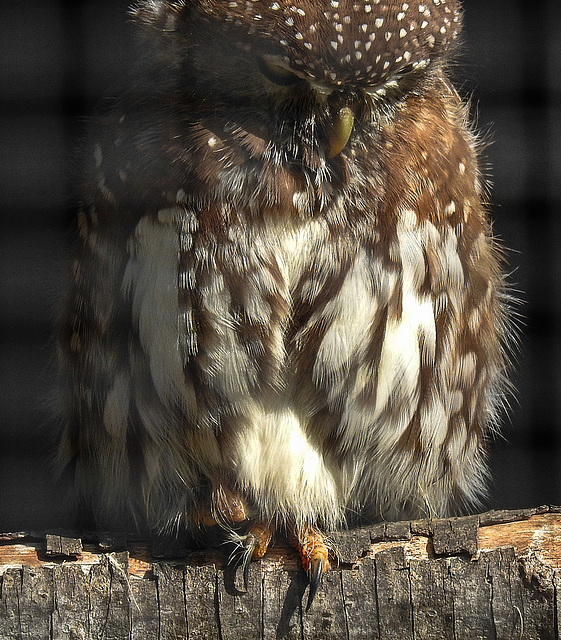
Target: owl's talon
x,y
246,562
315,574
230,504
253,546
315,558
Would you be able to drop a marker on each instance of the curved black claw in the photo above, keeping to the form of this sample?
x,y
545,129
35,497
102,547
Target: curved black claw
x,y
245,566
315,575
249,545
242,554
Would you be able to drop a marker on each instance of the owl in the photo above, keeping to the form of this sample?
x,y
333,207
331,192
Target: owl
x,y
286,308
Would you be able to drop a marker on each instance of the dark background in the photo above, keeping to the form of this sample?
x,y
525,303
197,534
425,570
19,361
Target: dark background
x,y
57,59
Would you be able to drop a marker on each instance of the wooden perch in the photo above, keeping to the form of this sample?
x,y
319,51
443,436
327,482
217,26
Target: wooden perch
x,y
495,575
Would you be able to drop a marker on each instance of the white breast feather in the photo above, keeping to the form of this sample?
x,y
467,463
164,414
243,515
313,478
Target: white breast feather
x,y
151,281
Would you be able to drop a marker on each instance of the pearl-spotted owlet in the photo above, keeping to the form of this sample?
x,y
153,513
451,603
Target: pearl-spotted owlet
x,y
287,308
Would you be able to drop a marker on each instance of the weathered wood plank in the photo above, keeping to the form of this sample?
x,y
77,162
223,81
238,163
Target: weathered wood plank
x,y
393,595
506,601
109,606
172,612
10,610
282,608
473,616
482,577
538,598
62,546
240,610
144,609
433,610
326,619
70,618
200,602
359,596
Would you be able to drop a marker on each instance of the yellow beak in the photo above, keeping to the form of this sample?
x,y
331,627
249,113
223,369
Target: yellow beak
x,y
340,131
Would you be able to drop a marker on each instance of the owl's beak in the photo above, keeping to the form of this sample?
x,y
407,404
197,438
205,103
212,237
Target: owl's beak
x,y
340,130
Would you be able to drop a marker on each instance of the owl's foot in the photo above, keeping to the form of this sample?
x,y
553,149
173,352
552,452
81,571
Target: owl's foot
x,y
314,555
254,545
229,507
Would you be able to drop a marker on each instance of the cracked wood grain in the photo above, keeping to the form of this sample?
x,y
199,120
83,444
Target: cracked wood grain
x,y
496,576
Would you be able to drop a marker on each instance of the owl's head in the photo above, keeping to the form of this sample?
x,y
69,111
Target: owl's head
x,y
307,69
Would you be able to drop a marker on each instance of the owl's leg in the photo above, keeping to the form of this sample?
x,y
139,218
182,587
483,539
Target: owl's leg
x,y
226,506
314,555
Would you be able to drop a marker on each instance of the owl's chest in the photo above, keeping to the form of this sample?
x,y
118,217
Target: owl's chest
x,y
291,269
257,301
278,302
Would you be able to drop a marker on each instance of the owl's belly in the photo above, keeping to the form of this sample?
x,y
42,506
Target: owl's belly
x,y
284,473
337,360
275,458
302,448
354,415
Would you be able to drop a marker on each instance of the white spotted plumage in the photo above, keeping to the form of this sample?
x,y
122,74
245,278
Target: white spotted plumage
x,y
286,286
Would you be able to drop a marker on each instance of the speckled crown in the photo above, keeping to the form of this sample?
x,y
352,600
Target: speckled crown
x,y
337,41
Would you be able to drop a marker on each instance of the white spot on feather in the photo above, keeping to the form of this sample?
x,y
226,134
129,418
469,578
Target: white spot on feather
x,y
151,281
410,339
349,315
408,219
434,424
